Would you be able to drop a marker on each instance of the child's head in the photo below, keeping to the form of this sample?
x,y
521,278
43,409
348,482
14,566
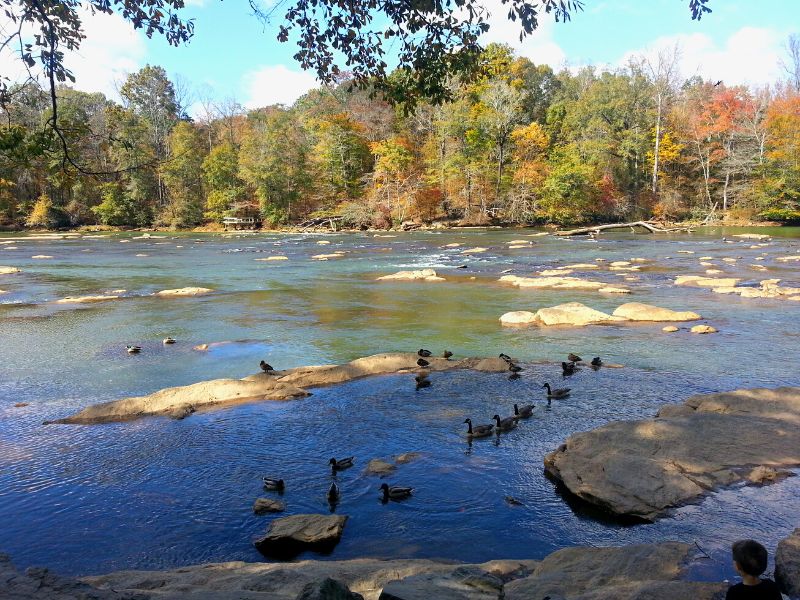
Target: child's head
x,y
750,557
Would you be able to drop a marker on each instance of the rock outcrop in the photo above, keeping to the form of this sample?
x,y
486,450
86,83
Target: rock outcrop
x,y
557,282
573,313
706,282
787,565
9,270
636,311
652,572
289,536
643,468
419,275
277,385
768,288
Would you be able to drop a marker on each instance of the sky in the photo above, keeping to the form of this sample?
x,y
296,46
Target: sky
x,y
233,55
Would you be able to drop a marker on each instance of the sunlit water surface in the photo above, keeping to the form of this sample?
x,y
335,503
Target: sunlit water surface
x,y
158,493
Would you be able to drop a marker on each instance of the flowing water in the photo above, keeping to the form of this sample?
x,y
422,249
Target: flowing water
x,y
159,493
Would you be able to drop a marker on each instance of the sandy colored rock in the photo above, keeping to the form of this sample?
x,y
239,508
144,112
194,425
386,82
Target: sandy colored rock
x,y
201,347
729,260
86,299
714,272
708,282
268,505
558,283
637,311
41,256
271,258
323,242
419,275
573,313
642,572
685,251
379,467
555,272
669,329
9,270
518,246
751,236
289,536
518,318
186,291
279,385
779,259
703,329
328,256
453,245
787,565
610,289
582,266
763,475
477,250
643,468
407,457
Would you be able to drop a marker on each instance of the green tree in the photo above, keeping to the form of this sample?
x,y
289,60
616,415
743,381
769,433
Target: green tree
x,y
183,177
221,177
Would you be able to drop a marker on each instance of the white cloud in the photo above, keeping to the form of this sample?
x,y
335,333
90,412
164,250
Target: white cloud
x,y
276,84
750,56
112,48
539,46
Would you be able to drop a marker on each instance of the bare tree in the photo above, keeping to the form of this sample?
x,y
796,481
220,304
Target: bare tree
x,y
792,63
665,75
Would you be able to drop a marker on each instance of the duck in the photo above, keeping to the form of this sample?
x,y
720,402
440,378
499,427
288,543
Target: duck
x,y
133,349
574,358
524,411
447,354
505,357
568,368
425,383
596,362
333,493
424,353
168,340
513,376
341,464
421,377
274,485
556,393
505,424
395,492
514,368
422,362
478,430
266,367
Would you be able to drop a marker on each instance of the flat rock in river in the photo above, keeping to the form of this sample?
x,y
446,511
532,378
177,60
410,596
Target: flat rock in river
x,y
186,291
636,311
289,536
643,468
573,313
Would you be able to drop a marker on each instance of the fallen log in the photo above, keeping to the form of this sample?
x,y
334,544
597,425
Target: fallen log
x,y
596,229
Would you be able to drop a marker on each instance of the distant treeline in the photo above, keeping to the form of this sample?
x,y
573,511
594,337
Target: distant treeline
x,y
517,144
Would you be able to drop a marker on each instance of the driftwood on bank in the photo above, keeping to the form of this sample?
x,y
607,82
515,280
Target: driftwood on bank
x,y
596,229
329,222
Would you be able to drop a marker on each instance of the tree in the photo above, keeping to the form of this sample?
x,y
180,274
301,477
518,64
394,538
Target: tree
x,y
42,214
183,177
342,156
792,63
502,112
221,177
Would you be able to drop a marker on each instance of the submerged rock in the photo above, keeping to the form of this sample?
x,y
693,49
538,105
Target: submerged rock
x,y
787,565
86,299
643,468
268,505
289,536
636,311
186,291
380,467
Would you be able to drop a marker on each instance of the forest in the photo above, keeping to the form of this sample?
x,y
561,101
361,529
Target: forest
x,y
515,143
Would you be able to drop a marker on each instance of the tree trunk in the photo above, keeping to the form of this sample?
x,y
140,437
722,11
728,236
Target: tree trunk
x,y
658,143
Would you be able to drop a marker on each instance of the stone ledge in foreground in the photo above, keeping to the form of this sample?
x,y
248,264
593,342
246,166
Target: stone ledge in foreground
x,y
279,385
652,571
643,468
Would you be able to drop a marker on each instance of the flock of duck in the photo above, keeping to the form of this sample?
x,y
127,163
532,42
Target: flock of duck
x,y
422,379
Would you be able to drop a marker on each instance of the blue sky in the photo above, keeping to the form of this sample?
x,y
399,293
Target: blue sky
x,y
233,55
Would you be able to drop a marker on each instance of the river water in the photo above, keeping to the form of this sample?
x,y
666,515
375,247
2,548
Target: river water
x,y
159,493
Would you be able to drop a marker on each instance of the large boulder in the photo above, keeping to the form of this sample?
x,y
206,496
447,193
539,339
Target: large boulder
x,y
463,583
648,572
518,318
573,313
636,311
787,565
289,536
643,468
419,275
327,589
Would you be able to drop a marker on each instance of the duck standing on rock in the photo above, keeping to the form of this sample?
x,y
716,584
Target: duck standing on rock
x,y
506,424
422,362
395,492
266,367
273,485
424,353
478,430
341,464
505,357
524,411
514,368
574,358
447,354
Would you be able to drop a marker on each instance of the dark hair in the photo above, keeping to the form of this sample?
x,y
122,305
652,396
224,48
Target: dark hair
x,y
750,556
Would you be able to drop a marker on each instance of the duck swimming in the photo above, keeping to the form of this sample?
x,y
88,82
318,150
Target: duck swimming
x,y
514,368
556,393
424,383
342,464
596,362
168,340
422,362
423,352
568,368
524,411
273,485
266,367
133,349
506,424
333,493
395,492
478,430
